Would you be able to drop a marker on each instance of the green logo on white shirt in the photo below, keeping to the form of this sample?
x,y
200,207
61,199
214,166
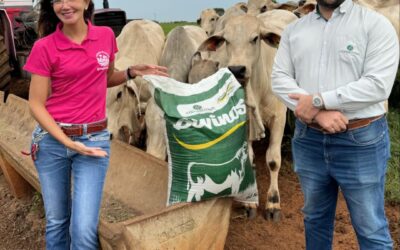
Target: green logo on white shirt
x,y
349,47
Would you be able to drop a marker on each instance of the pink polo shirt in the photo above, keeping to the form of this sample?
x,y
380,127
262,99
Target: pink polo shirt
x,y
78,73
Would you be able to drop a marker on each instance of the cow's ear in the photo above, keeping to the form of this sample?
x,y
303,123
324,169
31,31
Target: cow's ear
x,y
199,21
308,8
212,43
220,11
196,58
244,8
271,38
288,7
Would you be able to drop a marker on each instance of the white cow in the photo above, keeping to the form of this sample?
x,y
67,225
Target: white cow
x,y
236,10
180,46
208,20
256,7
199,183
201,68
251,49
140,41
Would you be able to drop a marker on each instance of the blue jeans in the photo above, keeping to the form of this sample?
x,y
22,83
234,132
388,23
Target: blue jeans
x,y
72,217
354,161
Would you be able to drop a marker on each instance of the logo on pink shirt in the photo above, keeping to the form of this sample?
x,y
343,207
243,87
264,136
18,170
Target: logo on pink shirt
x,y
103,58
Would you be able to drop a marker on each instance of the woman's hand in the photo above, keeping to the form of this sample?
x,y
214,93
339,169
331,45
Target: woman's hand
x,y
84,150
147,69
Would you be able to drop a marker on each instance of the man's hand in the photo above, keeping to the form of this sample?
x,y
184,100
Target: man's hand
x,y
305,111
331,121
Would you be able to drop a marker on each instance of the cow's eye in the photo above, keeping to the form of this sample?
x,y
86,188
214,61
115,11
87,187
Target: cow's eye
x,y
119,95
263,9
255,40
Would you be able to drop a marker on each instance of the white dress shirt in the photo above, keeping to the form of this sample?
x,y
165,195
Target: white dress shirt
x,y
350,59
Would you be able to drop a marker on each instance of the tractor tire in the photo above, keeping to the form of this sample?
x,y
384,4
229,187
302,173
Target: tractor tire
x,y
5,69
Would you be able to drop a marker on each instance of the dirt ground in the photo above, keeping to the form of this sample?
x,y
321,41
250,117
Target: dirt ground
x,y
22,221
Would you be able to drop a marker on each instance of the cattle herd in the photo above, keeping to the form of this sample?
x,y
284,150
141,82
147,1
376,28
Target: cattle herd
x,y
243,38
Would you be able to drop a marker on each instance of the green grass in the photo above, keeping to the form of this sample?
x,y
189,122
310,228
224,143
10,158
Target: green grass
x,y
393,172
167,27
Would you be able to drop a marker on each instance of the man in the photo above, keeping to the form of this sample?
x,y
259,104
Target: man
x,y
335,68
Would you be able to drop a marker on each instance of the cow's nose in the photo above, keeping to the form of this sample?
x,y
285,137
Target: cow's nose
x,y
207,33
238,71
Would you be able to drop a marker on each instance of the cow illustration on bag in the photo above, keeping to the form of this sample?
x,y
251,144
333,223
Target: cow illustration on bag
x,y
197,184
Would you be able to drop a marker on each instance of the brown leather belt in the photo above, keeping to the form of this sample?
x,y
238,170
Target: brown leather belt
x,y
353,124
78,129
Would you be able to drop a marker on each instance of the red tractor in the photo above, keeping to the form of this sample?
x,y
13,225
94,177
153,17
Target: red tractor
x,y
18,32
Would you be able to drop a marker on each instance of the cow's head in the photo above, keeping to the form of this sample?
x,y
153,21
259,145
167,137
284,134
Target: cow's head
x,y
256,7
201,68
208,19
305,8
242,36
241,6
122,113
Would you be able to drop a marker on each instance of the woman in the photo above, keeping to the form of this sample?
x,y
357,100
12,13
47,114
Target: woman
x,y
71,66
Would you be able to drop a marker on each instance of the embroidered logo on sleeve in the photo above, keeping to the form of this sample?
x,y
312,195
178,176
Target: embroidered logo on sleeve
x,y
103,59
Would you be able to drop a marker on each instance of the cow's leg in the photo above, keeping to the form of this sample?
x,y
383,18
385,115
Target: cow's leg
x,y
273,159
251,153
155,126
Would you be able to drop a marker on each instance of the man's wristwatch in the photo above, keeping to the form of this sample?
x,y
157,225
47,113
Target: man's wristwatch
x,y
318,102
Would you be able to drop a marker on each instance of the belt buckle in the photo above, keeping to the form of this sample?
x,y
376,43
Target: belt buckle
x,y
65,125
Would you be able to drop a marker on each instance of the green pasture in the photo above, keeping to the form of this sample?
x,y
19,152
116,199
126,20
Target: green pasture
x,y
167,27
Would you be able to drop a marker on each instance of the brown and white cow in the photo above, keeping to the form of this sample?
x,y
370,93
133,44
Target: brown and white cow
x,y
140,41
250,47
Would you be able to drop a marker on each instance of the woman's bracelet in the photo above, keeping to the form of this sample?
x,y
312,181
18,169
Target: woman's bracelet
x,y
128,74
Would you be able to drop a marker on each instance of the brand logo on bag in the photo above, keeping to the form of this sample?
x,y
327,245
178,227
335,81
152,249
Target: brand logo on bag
x,y
213,121
103,59
196,107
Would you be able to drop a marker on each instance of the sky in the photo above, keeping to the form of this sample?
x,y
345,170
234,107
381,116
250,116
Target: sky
x,y
166,10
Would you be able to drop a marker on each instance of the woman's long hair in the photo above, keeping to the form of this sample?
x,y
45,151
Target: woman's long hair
x,y
48,20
